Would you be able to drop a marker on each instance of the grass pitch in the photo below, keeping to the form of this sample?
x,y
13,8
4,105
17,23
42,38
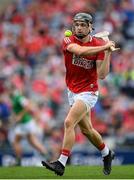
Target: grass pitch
x,y
72,172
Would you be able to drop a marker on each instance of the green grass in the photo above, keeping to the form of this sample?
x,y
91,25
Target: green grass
x,y
72,172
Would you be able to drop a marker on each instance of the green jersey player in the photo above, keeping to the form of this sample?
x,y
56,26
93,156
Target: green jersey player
x,y
24,115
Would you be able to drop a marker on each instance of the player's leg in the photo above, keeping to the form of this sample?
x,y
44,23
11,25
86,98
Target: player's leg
x,y
96,139
31,134
18,134
76,113
35,142
17,148
88,130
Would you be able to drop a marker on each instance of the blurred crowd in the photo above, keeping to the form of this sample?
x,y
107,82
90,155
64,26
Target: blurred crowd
x,y
31,58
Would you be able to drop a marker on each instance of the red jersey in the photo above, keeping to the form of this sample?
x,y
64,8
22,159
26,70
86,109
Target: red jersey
x,y
81,71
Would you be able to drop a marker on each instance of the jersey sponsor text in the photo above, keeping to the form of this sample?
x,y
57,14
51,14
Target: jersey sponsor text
x,y
82,62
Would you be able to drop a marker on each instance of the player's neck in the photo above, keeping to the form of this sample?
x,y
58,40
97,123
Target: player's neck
x,y
86,39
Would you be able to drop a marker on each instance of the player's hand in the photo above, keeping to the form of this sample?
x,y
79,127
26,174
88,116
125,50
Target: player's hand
x,y
110,44
112,47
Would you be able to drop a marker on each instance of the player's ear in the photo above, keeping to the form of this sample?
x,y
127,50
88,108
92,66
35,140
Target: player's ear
x,y
91,28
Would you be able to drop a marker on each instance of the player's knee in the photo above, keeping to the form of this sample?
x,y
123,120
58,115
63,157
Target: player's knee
x,y
68,124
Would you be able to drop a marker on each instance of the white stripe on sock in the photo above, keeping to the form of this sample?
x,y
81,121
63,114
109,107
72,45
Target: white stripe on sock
x,y
105,151
63,159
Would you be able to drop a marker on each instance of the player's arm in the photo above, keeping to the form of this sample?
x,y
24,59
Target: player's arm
x,y
103,67
19,116
86,50
30,107
25,104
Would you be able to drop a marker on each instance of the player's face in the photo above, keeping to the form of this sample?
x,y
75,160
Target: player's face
x,y
81,28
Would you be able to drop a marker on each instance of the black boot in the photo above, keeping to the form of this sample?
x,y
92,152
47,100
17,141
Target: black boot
x,y
108,162
56,166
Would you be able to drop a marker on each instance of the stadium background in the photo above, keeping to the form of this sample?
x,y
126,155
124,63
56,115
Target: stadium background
x,y
31,32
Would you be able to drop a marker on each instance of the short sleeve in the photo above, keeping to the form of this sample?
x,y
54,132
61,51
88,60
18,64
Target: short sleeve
x,y
66,42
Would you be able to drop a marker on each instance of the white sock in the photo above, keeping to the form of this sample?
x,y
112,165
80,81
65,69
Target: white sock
x,y
63,159
105,151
